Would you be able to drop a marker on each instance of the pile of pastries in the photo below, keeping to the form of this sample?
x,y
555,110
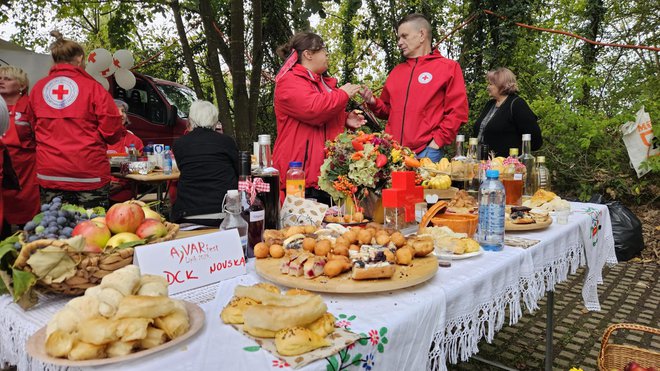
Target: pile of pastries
x,y
297,320
546,201
525,215
462,203
356,217
368,253
447,241
127,312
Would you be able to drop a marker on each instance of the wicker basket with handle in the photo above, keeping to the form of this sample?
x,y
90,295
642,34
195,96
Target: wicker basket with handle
x,y
617,356
90,267
460,223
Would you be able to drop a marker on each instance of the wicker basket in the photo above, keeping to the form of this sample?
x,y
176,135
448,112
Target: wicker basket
x,y
617,356
91,267
460,223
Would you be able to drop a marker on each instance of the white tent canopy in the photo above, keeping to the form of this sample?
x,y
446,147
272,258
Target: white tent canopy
x,y
34,64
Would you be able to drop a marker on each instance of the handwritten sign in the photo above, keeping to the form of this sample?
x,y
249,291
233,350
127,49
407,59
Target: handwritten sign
x,y
193,262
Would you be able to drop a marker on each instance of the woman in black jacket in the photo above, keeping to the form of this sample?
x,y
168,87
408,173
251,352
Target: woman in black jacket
x,y
208,162
506,117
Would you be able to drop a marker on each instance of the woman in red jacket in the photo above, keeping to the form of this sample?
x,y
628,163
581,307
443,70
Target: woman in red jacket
x,y
21,204
309,109
76,119
4,125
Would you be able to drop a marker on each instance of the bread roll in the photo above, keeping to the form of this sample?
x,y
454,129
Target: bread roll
x,y
124,280
86,306
259,332
65,320
323,326
155,337
109,299
152,285
274,318
59,343
144,307
174,324
82,351
264,296
129,329
120,348
98,331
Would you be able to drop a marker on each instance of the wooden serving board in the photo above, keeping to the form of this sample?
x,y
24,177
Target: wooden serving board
x,y
420,271
36,344
508,226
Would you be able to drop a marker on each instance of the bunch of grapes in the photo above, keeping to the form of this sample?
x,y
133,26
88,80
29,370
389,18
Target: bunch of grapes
x,y
54,222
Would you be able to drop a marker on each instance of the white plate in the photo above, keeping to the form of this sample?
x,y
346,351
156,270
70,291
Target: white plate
x,y
449,256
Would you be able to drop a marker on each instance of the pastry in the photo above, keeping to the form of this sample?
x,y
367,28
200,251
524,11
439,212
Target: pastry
x,y
275,318
259,332
144,307
82,351
120,348
130,329
59,343
233,312
323,326
152,285
298,340
370,263
313,267
155,337
98,331
521,215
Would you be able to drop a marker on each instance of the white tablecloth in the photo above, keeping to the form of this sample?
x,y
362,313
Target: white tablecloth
x,y
449,314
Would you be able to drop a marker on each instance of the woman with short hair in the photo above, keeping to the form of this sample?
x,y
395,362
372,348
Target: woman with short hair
x,y
76,119
506,117
208,162
22,203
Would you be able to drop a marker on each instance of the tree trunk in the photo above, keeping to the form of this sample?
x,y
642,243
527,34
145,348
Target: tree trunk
x,y
185,46
219,86
595,11
240,97
255,76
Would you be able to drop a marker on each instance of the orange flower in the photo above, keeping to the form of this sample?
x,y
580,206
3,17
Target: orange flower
x,y
357,155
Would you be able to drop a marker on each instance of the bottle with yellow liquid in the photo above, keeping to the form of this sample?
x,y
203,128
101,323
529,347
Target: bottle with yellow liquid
x,y
295,180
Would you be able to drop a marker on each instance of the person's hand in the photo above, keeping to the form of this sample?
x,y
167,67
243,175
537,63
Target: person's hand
x,y
367,95
355,120
350,89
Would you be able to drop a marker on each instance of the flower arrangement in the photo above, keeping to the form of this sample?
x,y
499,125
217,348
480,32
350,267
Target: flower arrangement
x,y
358,164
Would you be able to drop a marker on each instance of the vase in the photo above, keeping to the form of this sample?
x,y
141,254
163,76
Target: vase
x,y
372,207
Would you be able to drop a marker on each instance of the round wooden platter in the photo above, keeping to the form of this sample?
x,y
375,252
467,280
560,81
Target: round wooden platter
x,y
421,270
508,226
36,344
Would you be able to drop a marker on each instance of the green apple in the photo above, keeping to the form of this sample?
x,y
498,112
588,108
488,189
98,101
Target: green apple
x,y
151,214
121,238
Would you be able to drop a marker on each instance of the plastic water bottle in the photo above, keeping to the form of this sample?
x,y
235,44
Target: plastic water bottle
x,y
167,161
233,218
490,233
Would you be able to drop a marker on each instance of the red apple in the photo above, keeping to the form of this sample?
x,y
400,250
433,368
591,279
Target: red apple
x,y
100,219
96,235
151,228
125,217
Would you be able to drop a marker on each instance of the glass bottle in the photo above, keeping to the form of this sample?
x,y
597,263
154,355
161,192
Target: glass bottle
x,y
252,211
473,168
232,209
490,230
528,160
295,180
459,166
542,174
512,179
271,176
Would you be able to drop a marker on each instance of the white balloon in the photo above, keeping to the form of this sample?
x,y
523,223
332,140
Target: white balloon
x,y
102,80
98,59
125,78
109,71
123,58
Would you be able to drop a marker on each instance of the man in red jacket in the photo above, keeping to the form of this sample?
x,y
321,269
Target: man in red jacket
x,y
424,98
76,119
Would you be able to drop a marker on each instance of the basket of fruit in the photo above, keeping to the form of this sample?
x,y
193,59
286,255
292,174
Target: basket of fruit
x,y
627,357
68,249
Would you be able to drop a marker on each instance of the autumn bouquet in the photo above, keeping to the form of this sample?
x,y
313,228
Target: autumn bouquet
x,y
358,164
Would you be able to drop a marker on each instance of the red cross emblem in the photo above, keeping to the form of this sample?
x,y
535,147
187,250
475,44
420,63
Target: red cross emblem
x,y
425,77
115,61
91,57
60,92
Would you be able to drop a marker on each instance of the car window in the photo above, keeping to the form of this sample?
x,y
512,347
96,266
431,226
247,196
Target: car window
x,y
179,96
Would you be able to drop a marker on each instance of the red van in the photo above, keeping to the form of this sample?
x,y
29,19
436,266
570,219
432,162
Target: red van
x,y
157,109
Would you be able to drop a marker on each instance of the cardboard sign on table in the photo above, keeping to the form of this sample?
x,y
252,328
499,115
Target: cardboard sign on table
x,y
192,262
